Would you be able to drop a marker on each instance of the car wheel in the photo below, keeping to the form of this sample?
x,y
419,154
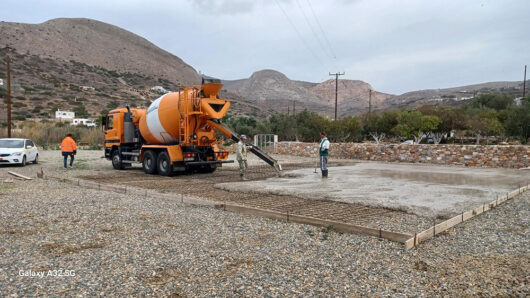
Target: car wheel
x,y
23,163
36,160
164,164
149,162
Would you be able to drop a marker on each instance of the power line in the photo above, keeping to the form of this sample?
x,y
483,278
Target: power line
x,y
320,43
298,33
321,30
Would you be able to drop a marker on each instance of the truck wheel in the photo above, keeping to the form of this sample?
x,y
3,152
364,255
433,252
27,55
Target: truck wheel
x,y
164,164
116,160
149,162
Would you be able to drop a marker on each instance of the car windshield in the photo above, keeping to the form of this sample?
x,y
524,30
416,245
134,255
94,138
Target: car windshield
x,y
11,143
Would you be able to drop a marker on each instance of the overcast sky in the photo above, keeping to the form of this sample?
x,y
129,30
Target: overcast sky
x,y
396,46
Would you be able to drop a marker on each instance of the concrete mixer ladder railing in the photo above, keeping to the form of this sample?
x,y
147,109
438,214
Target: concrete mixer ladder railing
x,y
254,149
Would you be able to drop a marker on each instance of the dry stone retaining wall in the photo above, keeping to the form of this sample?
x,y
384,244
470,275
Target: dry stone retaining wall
x,y
469,155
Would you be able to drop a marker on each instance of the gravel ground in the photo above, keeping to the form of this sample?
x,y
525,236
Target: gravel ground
x,y
119,244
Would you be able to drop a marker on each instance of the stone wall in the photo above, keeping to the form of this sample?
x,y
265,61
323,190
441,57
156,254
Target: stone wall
x,y
468,155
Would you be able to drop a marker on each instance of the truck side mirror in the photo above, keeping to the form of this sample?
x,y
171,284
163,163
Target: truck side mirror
x,y
104,122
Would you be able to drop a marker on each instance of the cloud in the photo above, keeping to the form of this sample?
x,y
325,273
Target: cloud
x,y
224,7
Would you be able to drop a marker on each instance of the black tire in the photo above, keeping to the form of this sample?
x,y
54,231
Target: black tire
x,y
117,160
149,162
36,161
164,164
23,163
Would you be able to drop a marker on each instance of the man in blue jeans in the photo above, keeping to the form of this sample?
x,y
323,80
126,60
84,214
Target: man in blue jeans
x,y
68,148
324,152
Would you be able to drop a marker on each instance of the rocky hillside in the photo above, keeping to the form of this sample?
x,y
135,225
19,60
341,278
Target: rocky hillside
x,y
353,96
280,92
89,66
454,96
96,44
275,89
41,85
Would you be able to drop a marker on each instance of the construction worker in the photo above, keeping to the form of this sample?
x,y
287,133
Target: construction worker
x,y
241,156
68,148
324,152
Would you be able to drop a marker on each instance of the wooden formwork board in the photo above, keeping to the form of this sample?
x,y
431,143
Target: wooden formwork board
x,y
408,240
335,225
443,226
183,199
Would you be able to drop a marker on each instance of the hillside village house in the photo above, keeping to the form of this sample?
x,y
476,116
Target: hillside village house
x,y
83,121
64,115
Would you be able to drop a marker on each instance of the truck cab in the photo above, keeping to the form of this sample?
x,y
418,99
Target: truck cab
x,y
124,146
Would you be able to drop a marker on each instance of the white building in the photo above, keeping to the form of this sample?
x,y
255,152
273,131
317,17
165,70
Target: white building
x,y
84,121
64,115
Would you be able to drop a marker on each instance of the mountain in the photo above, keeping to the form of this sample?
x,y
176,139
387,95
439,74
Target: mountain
x,y
353,96
276,90
88,65
97,44
281,93
455,95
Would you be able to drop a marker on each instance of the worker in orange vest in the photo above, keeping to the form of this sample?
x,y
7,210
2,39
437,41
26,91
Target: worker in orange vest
x,y
68,148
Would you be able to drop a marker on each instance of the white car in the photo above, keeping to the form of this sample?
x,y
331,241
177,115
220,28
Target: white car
x,y
18,151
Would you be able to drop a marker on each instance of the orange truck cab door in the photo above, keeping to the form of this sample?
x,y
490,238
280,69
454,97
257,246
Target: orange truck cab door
x,y
113,131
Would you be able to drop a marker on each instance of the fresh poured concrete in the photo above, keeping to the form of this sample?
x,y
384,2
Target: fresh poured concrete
x,y
425,190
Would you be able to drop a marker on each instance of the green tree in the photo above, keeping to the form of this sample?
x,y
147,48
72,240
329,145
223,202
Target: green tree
x,y
344,130
492,101
81,112
517,122
485,123
451,119
413,124
380,126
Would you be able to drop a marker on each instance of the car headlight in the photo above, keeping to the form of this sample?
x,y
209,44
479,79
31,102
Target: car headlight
x,y
16,154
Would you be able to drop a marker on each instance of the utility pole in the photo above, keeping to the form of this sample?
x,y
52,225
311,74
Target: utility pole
x,y
8,97
369,103
288,107
524,82
294,107
336,89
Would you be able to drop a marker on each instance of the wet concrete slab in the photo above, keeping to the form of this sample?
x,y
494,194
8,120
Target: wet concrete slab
x,y
425,190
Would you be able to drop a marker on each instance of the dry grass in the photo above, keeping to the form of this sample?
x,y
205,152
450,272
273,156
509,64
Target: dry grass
x,y
50,134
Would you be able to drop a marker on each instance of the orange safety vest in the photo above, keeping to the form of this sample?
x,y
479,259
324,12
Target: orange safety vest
x,y
68,145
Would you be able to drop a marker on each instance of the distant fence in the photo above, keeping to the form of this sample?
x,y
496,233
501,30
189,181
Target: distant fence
x,y
499,156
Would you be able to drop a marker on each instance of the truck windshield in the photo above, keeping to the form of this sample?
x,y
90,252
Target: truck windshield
x,y
11,143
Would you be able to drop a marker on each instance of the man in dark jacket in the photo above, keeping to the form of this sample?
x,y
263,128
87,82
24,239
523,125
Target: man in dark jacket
x,y
324,152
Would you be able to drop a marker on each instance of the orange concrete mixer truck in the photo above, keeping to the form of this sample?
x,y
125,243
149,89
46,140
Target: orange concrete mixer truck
x,y
177,132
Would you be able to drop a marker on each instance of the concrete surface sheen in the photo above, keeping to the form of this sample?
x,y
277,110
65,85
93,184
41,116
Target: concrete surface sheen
x,y
420,189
